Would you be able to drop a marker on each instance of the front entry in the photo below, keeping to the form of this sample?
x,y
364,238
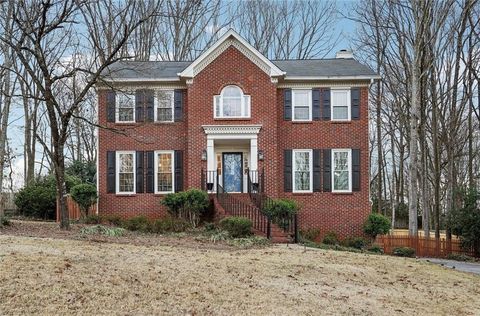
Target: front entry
x,y
232,172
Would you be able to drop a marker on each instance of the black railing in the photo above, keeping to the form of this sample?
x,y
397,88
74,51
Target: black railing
x,y
236,207
256,190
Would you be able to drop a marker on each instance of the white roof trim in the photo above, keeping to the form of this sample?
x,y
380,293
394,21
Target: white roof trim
x,y
221,45
362,77
112,79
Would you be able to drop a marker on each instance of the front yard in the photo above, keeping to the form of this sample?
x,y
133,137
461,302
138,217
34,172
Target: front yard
x,y
66,274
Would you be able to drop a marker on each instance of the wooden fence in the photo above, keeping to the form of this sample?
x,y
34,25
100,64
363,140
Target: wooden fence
x,y
74,213
424,247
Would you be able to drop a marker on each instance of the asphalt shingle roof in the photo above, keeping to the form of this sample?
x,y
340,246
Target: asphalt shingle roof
x,y
131,70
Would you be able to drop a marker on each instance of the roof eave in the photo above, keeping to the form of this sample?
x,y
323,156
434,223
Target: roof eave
x,y
311,78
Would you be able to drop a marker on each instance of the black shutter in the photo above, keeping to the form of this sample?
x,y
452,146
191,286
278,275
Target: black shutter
x,y
316,104
287,170
287,104
111,171
355,169
150,172
178,105
139,105
149,104
139,161
178,170
316,170
110,106
327,170
326,103
355,103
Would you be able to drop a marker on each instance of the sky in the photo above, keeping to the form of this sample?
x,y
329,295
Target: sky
x,y
344,27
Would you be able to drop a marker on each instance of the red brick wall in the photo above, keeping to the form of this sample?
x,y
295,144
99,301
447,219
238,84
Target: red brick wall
x,y
343,213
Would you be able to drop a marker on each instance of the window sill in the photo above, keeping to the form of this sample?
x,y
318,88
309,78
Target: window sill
x,y
302,193
126,123
302,122
342,193
125,194
166,122
341,122
232,119
162,194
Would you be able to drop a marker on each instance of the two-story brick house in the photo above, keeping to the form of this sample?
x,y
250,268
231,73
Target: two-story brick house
x,y
177,125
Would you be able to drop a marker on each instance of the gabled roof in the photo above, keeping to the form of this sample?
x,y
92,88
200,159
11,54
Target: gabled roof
x,y
145,70
216,49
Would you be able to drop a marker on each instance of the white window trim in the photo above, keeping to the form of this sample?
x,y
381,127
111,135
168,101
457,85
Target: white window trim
x,y
156,170
117,109
349,104
155,105
349,151
244,107
310,151
117,172
309,105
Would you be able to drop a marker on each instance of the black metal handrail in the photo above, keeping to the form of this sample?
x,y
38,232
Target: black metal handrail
x,y
256,191
236,207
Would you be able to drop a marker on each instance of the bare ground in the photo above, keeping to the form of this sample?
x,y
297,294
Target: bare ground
x,y
67,276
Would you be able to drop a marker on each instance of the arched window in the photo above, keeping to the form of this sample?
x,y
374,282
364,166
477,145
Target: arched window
x,y
232,103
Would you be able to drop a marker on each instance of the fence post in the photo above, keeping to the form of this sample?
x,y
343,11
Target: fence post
x,y
269,227
295,226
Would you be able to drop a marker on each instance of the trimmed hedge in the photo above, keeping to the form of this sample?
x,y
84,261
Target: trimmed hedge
x,y
376,224
237,227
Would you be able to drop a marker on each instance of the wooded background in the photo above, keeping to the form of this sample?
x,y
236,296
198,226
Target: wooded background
x,y
425,117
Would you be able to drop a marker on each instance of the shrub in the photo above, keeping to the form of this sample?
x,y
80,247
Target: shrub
x,y
280,211
375,249
170,225
4,221
356,242
330,239
210,227
113,220
460,257
189,205
137,223
237,227
404,252
310,234
84,170
102,230
465,222
39,198
92,219
85,195
376,224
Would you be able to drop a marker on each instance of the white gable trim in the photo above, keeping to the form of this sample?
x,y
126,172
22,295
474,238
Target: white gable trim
x,y
231,38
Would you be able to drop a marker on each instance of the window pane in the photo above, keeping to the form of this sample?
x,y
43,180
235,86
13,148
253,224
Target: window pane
x,y
126,105
126,162
126,182
164,106
125,115
164,114
340,112
302,171
232,91
164,172
232,107
217,106
340,98
301,113
341,171
125,173
301,98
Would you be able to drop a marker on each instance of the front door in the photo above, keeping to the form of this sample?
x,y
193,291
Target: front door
x,y
232,172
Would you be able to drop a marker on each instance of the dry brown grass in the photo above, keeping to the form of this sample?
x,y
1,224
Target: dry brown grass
x,y
59,276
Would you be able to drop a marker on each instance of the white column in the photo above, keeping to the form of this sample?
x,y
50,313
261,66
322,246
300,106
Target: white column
x,y
210,155
253,154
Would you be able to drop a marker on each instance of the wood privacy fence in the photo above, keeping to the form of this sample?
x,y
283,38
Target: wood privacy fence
x,y
424,247
74,212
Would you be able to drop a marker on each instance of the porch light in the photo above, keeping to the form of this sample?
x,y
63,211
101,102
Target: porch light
x,y
260,155
204,155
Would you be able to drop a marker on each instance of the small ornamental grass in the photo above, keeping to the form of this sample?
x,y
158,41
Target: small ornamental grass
x,y
103,230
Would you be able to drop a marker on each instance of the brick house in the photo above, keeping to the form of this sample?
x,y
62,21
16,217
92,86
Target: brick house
x,y
229,118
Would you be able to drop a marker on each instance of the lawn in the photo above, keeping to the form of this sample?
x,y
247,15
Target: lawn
x,y
64,274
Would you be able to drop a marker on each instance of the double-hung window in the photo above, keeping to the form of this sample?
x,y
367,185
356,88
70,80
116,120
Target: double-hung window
x,y
164,106
125,112
125,172
164,173
302,170
342,170
231,103
341,104
302,105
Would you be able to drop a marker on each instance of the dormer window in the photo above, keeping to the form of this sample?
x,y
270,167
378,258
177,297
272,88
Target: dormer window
x,y
231,103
